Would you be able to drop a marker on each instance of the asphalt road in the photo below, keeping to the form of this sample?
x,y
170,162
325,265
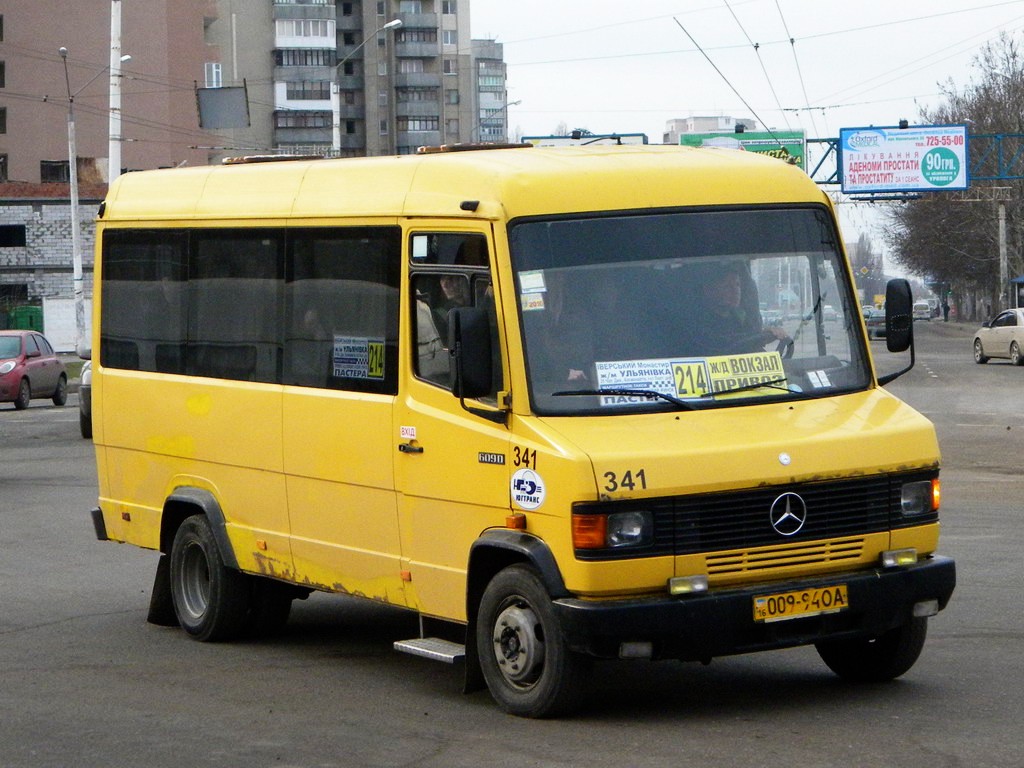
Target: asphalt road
x,y
85,681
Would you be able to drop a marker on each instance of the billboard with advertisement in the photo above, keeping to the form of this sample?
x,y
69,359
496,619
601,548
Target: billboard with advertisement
x,y
785,145
920,158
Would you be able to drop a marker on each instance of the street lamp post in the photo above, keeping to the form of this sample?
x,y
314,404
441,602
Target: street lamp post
x,y
336,86
76,227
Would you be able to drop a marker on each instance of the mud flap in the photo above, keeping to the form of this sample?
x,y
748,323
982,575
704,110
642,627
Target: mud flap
x,y
161,605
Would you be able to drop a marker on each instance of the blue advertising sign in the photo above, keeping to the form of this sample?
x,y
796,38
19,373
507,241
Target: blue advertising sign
x,y
921,158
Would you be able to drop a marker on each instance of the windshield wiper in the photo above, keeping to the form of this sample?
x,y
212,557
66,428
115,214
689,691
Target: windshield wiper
x,y
683,404
648,393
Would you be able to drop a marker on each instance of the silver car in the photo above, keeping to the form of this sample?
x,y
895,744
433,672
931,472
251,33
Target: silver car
x,y
1001,337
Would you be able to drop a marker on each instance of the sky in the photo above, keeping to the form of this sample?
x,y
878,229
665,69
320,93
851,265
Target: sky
x,y
818,65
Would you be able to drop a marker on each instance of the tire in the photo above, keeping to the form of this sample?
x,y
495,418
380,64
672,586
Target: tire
x,y
24,395
211,601
60,394
1015,356
878,659
525,662
979,353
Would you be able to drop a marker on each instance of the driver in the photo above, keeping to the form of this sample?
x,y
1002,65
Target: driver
x,y
729,326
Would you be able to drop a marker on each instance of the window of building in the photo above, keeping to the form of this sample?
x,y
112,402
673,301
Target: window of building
x,y
3,119
305,90
382,98
346,9
452,126
12,235
448,7
416,36
3,74
212,70
451,67
450,37
416,94
383,127
1,27
305,57
54,171
302,119
410,6
350,127
451,96
412,124
382,67
349,68
305,27
410,66
3,167
380,8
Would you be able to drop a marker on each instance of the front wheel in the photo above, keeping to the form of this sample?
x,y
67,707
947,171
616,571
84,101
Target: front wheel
x,y
210,600
528,667
24,395
1015,356
979,352
877,659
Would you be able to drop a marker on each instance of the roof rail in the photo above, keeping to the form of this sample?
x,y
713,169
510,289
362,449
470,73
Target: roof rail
x,y
468,147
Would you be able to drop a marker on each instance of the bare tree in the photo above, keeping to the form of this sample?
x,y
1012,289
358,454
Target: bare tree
x,y
953,239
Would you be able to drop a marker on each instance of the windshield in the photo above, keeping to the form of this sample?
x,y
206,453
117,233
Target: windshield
x,y
685,310
10,346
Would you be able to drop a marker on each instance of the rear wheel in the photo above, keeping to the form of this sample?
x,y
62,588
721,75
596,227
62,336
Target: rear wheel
x,y
528,667
1015,356
24,395
979,352
878,659
60,394
211,600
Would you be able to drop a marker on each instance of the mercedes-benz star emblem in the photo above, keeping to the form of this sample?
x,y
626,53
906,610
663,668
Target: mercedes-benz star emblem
x,y
788,514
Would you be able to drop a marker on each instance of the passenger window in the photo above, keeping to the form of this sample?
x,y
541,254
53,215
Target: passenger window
x,y
342,318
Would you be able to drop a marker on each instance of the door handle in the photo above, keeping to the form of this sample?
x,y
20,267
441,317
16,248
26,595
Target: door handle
x,y
410,448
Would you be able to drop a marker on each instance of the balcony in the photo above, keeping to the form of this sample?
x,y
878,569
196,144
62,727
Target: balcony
x,y
418,80
418,50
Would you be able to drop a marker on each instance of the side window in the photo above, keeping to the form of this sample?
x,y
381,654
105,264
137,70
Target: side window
x,y
236,305
144,300
342,316
449,270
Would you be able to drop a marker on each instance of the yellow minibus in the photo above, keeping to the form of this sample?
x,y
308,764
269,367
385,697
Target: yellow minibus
x,y
565,404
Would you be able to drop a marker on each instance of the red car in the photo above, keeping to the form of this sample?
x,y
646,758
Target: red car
x,y
29,368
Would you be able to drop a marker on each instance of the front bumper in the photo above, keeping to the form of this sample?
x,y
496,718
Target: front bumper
x,y
721,623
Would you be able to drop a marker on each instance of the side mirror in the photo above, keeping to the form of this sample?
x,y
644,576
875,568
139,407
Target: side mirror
x,y
899,316
469,339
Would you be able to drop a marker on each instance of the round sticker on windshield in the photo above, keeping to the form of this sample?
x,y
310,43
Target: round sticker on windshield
x,y
528,489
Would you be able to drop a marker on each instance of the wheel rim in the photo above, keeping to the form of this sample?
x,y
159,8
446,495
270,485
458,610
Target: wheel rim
x,y
977,350
195,581
1015,353
519,643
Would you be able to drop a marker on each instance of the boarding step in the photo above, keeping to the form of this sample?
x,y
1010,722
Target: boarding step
x,y
433,648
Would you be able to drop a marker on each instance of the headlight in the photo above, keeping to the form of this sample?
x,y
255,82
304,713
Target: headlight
x,y
920,498
629,529
7,367
612,531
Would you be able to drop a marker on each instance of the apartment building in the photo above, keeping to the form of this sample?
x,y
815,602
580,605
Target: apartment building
x,y
328,77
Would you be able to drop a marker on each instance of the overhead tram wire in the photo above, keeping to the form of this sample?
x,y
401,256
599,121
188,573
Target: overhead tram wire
x,y
727,82
757,50
799,72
